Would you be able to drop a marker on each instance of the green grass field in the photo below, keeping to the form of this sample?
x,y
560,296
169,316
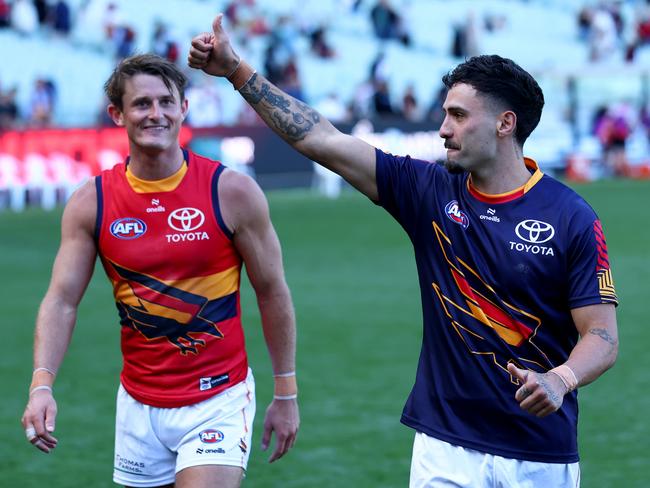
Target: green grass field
x,y
354,284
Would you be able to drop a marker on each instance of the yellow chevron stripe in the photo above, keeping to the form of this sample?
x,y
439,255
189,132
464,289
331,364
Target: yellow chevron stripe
x,y
606,284
212,286
127,297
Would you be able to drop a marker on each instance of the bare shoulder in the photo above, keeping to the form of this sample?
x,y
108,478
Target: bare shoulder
x,y
81,210
241,199
239,188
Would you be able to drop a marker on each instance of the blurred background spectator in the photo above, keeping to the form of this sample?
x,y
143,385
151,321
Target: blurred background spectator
x,y
381,99
411,111
319,44
388,24
8,108
465,38
43,99
163,44
613,125
61,18
5,14
24,17
435,114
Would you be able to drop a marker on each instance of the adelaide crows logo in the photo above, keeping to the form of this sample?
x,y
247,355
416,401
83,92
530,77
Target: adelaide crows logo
x,y
481,318
160,311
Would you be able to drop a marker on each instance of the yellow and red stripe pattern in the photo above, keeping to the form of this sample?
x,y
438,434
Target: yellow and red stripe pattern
x,y
603,271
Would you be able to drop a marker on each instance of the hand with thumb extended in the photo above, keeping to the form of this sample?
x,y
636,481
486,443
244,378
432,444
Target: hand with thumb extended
x,y
540,394
520,374
212,52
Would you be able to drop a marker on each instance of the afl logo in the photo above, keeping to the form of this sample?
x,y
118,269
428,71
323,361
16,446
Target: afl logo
x,y
186,219
211,436
534,231
128,228
456,215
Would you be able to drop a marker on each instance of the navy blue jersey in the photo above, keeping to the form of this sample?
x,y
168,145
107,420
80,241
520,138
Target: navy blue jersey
x,y
499,276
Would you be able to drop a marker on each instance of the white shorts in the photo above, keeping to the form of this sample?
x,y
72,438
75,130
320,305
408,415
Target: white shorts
x,y
153,444
436,463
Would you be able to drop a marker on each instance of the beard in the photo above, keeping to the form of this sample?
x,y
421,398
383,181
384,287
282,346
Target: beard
x,y
453,167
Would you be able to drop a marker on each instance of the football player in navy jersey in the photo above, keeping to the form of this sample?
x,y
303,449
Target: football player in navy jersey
x,y
517,294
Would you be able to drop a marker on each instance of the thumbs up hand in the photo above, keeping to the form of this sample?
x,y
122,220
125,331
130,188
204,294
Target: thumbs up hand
x,y
212,51
541,393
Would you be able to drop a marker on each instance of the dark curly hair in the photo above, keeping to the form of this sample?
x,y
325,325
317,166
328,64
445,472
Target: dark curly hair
x,y
148,64
506,83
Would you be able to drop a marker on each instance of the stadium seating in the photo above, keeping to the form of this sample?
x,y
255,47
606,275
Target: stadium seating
x,y
541,35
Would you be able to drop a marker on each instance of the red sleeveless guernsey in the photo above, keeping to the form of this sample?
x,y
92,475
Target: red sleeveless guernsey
x,y
175,274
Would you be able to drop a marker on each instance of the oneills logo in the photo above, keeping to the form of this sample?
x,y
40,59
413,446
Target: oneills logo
x,y
155,206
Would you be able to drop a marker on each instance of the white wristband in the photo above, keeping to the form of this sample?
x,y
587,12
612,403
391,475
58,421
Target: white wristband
x,y
43,369
285,397
285,375
42,387
567,376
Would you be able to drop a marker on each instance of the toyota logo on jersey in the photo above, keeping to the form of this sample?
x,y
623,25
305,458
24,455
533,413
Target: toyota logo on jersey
x,y
186,219
534,231
128,228
456,215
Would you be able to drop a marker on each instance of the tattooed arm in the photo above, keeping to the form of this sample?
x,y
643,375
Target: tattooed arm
x,y
597,349
298,124
541,394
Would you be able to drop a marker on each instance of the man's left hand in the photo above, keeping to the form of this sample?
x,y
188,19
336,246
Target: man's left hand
x,y
541,393
283,418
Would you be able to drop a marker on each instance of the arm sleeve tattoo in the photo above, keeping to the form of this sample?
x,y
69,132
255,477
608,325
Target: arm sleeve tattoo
x,y
289,117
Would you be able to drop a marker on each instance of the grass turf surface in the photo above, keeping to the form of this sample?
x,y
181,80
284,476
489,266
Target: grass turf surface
x,y
354,285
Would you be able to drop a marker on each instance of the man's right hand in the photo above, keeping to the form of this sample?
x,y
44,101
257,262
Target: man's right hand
x,y
39,419
212,52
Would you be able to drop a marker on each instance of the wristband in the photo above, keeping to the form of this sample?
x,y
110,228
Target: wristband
x,y
285,385
285,375
285,397
241,75
47,370
229,75
42,387
42,377
567,376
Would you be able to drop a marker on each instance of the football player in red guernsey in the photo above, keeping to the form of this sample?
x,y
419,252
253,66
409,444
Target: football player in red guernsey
x,y
172,230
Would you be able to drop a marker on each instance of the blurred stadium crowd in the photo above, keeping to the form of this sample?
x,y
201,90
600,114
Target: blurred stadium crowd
x,y
379,60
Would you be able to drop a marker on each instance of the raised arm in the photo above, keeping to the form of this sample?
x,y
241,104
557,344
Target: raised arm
x,y
73,268
298,124
246,213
